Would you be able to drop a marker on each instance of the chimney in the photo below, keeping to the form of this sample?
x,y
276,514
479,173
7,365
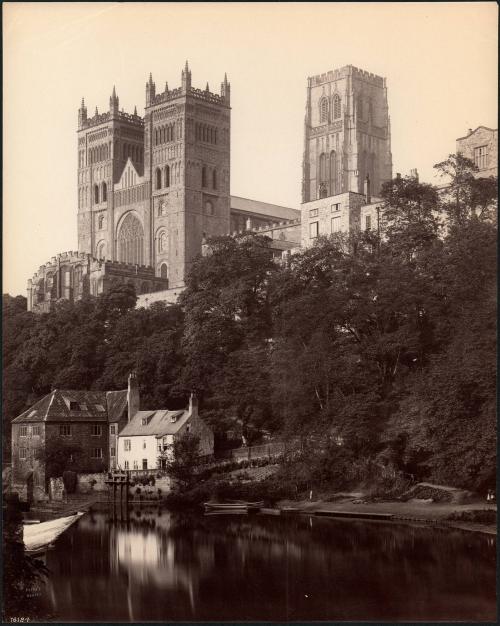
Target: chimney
x,y
132,395
368,194
193,405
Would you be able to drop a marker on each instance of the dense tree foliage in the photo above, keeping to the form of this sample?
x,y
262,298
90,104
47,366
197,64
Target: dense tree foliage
x,y
382,341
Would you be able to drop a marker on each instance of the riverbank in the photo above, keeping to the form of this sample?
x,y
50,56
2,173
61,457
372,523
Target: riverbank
x,y
412,511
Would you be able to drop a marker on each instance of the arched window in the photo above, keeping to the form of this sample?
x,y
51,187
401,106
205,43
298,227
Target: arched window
x,y
167,176
158,178
101,250
203,176
131,240
337,109
96,194
322,167
164,271
162,241
209,208
214,179
101,222
333,173
104,192
323,110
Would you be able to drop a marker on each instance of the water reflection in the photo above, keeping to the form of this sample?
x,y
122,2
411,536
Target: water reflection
x,y
160,566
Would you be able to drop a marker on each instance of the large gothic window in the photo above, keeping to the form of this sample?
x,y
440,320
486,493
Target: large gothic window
x,y
131,241
323,110
336,107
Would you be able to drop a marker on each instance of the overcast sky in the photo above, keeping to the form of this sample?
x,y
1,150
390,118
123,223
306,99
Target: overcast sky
x,y
440,61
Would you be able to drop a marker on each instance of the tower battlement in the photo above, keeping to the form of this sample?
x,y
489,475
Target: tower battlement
x,y
347,70
103,118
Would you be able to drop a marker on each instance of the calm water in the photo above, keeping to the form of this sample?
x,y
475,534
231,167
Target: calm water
x,y
161,566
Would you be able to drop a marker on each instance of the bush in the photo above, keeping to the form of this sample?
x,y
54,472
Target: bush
x,y
479,516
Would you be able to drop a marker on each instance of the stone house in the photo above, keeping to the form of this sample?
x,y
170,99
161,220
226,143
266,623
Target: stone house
x,y
88,421
149,433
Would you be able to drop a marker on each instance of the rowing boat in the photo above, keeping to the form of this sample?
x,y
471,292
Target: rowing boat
x,y
39,536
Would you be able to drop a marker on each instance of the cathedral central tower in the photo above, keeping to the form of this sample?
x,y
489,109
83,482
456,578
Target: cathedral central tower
x,y
347,134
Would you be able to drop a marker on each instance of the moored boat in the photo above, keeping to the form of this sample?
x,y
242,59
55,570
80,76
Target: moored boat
x,y
37,537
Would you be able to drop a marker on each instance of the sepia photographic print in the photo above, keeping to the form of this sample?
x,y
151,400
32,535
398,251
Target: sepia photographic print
x,y
249,312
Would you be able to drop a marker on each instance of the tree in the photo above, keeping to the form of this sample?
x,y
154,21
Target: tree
x,y
59,456
182,458
467,195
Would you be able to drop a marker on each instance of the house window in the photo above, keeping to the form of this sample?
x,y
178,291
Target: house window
x,y
158,445
143,444
112,429
368,222
481,157
74,406
144,421
313,213
209,208
65,430
126,445
336,207
144,464
336,224
126,465
97,453
313,229
22,453
23,431
96,430
112,452
136,464
36,431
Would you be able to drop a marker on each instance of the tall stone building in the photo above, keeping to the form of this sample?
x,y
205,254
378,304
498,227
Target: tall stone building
x,y
347,151
347,134
149,188
149,191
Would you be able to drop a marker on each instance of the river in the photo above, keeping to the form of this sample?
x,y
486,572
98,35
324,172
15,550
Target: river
x,y
165,566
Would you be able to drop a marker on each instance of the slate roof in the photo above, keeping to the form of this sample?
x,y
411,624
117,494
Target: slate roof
x,y
116,403
273,211
159,423
72,406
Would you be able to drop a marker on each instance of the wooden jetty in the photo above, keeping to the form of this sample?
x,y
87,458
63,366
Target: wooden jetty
x,y
354,514
118,487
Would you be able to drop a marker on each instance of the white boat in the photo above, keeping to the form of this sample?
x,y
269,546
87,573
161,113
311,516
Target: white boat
x,y
37,537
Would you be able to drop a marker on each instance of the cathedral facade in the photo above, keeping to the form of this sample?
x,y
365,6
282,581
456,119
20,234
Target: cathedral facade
x,y
152,188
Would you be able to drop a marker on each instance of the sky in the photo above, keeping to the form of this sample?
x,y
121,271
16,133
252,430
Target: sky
x,y
440,61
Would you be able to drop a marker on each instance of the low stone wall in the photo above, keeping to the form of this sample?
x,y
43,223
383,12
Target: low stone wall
x,y
86,483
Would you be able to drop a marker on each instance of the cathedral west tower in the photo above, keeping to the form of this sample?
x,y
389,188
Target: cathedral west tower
x,y
187,160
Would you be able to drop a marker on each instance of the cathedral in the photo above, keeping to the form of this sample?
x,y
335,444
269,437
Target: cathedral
x,y
152,188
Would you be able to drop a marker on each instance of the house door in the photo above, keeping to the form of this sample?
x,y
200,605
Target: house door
x,y
144,464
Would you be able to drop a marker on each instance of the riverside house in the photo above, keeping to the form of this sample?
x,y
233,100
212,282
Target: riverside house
x,y
149,433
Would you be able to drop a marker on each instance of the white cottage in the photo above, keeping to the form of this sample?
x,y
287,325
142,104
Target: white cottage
x,y
149,433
